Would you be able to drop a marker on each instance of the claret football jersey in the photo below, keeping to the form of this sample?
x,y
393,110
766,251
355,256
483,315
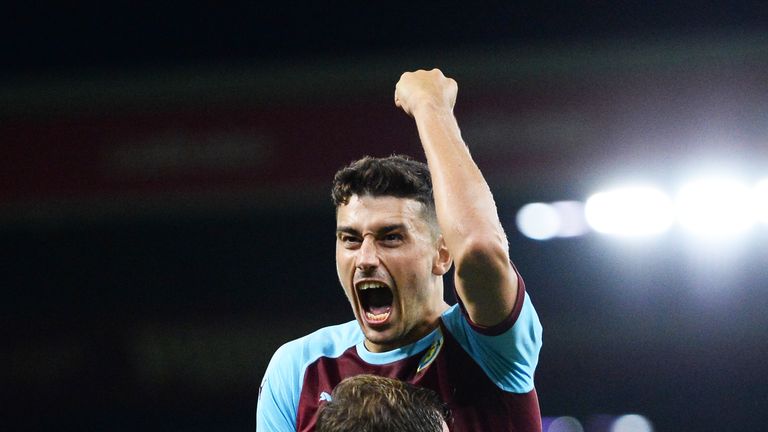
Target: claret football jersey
x,y
485,375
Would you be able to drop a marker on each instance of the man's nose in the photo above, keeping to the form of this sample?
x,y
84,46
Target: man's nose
x,y
367,255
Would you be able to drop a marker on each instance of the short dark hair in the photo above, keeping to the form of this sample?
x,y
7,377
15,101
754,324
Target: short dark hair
x,y
371,403
396,175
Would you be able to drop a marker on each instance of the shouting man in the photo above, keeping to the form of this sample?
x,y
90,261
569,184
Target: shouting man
x,y
400,226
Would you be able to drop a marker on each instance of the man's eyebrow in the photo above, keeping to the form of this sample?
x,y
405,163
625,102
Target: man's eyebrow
x,y
346,229
381,230
388,228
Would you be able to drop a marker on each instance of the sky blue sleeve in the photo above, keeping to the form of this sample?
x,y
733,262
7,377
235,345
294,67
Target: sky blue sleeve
x,y
279,393
509,358
278,405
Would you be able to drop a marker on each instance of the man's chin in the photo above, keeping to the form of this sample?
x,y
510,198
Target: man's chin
x,y
378,340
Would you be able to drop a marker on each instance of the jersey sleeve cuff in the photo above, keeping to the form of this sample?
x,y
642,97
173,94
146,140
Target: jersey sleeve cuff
x,y
509,321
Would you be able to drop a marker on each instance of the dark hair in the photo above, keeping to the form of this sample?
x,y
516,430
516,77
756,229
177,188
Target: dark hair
x,y
370,403
396,175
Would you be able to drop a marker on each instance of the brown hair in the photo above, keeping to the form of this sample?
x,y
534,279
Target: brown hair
x,y
370,403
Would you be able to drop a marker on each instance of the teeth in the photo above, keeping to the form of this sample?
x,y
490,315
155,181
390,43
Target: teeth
x,y
368,285
377,317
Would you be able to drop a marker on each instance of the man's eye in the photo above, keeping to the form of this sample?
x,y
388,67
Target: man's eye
x,y
393,237
349,239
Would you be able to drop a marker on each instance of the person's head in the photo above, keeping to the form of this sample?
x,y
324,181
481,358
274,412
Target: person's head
x,y
390,256
370,403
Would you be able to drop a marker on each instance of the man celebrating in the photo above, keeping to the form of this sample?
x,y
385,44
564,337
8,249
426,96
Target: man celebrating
x,y
400,225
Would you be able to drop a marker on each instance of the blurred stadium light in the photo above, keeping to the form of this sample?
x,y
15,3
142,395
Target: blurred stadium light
x,y
538,221
711,207
630,211
632,423
760,194
599,423
562,424
572,220
707,207
542,221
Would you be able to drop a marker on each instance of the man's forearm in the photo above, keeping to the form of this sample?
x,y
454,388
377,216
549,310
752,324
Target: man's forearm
x,y
468,218
465,206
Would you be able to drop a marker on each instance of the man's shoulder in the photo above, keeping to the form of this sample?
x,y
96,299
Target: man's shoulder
x,y
330,341
508,357
283,380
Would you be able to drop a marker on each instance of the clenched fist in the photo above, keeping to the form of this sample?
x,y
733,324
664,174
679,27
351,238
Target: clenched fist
x,y
425,89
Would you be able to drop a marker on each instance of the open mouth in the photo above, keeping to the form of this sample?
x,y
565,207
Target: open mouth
x,y
376,300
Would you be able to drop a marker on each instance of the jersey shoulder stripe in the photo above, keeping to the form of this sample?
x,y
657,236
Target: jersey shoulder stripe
x,y
509,359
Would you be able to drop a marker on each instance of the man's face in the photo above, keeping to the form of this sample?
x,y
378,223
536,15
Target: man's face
x,y
390,265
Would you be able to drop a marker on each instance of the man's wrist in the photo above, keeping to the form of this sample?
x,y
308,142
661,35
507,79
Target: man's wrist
x,y
431,108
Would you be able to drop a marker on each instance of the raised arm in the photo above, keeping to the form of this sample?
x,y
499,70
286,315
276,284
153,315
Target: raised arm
x,y
466,211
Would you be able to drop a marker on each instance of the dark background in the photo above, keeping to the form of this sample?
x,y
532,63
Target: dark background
x,y
166,225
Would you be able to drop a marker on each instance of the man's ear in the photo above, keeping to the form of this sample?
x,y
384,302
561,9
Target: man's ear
x,y
443,260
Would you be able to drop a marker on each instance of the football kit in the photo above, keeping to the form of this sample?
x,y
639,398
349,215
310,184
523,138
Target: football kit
x,y
483,374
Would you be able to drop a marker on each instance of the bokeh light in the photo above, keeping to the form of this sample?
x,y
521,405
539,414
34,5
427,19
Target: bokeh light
x,y
632,423
630,211
715,207
760,196
538,221
572,220
565,424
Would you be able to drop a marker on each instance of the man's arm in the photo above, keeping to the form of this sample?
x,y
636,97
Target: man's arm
x,y
466,211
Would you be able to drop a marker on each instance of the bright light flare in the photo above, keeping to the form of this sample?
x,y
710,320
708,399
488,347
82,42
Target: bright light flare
x,y
565,424
572,221
632,423
760,197
630,211
541,221
538,221
715,207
